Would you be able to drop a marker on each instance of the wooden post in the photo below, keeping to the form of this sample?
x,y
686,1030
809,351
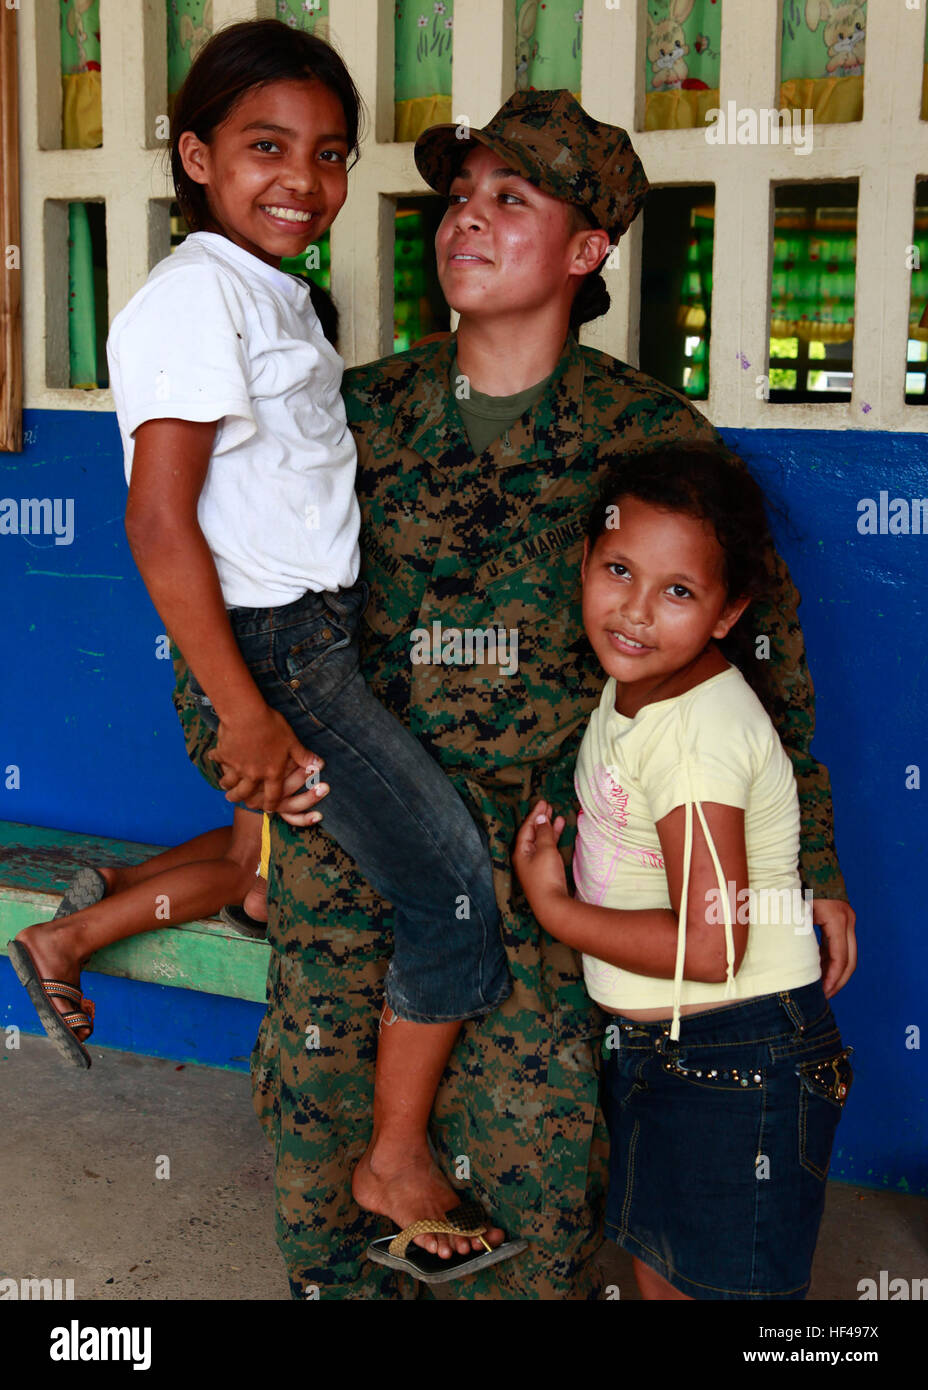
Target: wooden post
x,y
11,322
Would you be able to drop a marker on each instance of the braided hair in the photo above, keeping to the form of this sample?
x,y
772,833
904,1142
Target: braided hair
x,y
592,298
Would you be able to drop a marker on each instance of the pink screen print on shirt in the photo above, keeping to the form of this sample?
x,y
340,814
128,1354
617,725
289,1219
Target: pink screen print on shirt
x,y
600,848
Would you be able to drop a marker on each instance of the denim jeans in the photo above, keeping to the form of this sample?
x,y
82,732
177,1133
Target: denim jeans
x,y
390,806
720,1143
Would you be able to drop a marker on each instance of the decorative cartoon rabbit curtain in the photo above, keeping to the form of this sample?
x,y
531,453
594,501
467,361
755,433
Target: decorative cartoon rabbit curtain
x,y
823,55
190,23
822,60
682,62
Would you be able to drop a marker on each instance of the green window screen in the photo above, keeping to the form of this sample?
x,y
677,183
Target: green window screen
x,y
419,307
87,308
813,287
916,371
315,264
676,287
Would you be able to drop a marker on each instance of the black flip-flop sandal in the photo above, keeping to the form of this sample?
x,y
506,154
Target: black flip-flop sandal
x,y
468,1219
243,922
59,1027
86,888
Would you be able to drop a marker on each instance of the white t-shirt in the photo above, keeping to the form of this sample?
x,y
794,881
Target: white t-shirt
x,y
216,334
714,743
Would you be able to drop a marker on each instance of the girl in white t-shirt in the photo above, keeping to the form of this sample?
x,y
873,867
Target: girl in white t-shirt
x,y
243,521
725,1073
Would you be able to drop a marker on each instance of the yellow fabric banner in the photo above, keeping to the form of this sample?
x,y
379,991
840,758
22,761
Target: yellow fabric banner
x,y
82,113
834,100
679,108
418,113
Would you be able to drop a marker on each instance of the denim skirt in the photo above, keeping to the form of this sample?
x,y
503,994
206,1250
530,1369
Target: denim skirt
x,y
721,1142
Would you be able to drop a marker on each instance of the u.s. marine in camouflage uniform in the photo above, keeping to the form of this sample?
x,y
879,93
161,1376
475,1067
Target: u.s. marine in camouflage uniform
x,y
487,542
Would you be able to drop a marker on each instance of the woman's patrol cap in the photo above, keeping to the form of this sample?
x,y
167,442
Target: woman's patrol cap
x,y
549,139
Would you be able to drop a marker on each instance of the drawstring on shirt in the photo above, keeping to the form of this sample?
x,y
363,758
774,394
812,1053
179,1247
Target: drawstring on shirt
x,y
684,903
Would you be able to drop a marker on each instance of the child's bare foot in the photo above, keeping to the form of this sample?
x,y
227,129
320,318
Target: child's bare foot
x,y
255,901
411,1187
57,957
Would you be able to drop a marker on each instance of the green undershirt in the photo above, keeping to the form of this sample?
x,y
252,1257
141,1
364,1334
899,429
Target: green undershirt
x,y
484,417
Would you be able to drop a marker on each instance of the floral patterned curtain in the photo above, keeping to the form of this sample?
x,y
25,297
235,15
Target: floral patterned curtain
x,y
81,129
918,303
423,34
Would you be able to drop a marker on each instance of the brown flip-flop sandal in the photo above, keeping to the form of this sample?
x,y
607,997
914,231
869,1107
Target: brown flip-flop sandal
x,y
59,1027
241,921
86,889
468,1219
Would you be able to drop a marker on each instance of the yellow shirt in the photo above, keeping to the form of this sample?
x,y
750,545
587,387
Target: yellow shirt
x,y
715,743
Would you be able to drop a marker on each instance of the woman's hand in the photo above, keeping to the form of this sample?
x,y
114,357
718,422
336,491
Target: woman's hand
x,y
537,862
298,800
257,753
839,942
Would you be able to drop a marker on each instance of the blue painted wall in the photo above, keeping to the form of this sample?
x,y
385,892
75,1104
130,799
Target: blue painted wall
x,y
157,1020
85,714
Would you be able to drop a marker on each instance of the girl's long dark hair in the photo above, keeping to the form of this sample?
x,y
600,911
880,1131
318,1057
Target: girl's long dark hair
x,y
233,62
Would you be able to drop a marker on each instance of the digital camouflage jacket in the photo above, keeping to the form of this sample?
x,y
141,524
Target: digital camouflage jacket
x,y
452,543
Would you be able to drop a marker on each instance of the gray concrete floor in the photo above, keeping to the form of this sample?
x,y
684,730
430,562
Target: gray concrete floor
x,y
81,1200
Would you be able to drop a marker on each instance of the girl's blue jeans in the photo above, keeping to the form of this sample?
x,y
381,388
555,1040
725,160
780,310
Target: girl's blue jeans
x,y
390,806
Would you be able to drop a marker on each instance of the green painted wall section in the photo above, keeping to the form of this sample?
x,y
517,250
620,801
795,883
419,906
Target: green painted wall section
x,y
35,866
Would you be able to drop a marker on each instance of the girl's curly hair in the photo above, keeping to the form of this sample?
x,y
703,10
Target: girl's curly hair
x,y
706,481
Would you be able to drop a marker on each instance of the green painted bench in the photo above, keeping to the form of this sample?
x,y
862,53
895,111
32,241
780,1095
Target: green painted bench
x,y
35,868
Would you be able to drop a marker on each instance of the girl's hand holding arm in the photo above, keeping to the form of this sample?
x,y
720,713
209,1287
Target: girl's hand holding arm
x,y
643,940
539,866
256,746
